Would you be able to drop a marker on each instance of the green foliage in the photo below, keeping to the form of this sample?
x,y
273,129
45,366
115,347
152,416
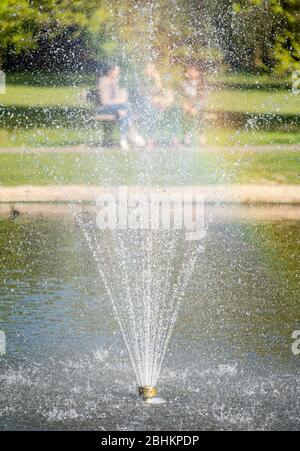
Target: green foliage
x,y
249,34
25,22
267,32
287,43
18,25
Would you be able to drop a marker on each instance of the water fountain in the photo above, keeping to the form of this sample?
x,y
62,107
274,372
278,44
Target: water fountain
x,y
212,332
145,274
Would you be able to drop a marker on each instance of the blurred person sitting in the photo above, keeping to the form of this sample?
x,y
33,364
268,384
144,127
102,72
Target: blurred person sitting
x,y
114,101
193,104
160,96
154,100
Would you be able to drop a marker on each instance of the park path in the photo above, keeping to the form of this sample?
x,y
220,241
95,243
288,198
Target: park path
x,y
227,194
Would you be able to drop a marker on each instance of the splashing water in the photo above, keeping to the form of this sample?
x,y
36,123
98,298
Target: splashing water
x,y
138,270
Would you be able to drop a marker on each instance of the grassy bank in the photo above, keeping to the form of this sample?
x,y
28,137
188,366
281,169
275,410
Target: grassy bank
x,y
162,168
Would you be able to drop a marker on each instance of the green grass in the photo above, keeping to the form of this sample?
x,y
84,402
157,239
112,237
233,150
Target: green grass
x,y
253,101
60,137
237,137
262,167
162,168
244,79
249,101
71,79
48,137
31,96
63,127
47,79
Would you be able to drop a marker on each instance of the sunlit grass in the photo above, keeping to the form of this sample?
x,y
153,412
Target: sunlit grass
x,y
232,100
263,167
55,137
49,137
239,137
254,101
180,167
245,79
40,96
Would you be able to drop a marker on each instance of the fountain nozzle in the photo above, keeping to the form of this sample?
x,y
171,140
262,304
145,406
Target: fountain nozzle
x,y
148,393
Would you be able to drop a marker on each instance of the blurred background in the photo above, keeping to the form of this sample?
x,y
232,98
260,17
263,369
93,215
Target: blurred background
x,y
52,52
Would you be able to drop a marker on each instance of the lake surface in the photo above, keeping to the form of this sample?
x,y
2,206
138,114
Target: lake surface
x,y
229,366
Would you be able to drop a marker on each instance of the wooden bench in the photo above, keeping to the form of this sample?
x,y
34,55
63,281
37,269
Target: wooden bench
x,y
108,121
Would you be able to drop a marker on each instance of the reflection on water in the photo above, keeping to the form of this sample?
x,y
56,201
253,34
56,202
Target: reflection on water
x,y
230,364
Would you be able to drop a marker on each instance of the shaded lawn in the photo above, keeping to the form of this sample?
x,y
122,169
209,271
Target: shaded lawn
x,y
164,167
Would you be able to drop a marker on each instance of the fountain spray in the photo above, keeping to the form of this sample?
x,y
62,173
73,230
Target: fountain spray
x,y
146,275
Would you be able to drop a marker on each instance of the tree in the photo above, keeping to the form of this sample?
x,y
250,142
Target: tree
x,y
265,34
287,42
24,23
164,31
246,34
18,25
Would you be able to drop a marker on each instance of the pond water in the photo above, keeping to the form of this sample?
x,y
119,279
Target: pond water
x,y
229,366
